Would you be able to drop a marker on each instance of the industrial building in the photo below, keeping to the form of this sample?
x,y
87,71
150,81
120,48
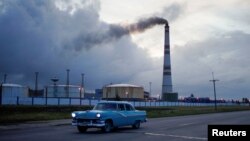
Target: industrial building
x,y
123,92
167,87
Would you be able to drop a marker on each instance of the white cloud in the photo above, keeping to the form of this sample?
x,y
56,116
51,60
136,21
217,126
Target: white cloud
x,y
226,57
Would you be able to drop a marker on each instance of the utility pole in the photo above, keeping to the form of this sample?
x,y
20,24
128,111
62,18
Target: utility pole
x,y
214,80
1,87
5,78
36,83
82,86
67,83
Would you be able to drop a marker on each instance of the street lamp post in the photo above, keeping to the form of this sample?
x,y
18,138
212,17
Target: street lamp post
x,y
36,82
5,78
82,86
67,83
150,83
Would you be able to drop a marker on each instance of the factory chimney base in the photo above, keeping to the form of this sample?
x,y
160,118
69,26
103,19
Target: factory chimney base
x,y
172,97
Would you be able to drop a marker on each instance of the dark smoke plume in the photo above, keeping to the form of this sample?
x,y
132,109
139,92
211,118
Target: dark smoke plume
x,y
144,24
118,31
114,32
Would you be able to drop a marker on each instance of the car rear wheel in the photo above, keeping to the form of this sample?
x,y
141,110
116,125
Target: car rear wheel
x,y
136,125
82,129
108,127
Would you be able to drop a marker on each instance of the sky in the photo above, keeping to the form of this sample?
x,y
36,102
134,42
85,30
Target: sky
x,y
91,37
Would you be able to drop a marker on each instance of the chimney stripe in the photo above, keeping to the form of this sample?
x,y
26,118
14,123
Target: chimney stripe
x,y
167,73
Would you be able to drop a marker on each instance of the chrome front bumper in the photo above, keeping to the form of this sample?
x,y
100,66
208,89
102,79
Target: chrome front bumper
x,y
88,124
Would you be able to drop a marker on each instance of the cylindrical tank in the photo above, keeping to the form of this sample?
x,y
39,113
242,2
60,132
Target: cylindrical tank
x,y
123,91
14,90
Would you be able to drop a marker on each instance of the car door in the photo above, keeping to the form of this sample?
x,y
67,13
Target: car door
x,y
130,112
122,119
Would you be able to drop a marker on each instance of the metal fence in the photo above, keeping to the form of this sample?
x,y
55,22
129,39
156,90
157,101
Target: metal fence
x,y
91,102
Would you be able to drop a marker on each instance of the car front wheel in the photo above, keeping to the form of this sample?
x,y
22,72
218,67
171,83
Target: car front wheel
x,y
82,129
136,125
108,127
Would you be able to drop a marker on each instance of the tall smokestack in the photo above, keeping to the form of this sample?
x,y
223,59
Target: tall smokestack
x,y
167,78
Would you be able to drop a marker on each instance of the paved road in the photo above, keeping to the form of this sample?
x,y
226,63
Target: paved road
x,y
184,128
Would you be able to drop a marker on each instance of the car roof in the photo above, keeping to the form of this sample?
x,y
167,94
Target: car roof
x,y
116,102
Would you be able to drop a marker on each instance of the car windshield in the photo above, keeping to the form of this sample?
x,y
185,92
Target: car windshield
x,y
105,106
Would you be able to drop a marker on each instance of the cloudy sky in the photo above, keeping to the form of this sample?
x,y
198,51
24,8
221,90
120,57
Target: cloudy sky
x,y
87,36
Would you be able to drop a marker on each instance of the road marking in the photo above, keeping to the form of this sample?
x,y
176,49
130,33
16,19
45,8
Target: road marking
x,y
185,124
176,136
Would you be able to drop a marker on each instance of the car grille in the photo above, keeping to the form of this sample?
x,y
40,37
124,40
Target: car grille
x,y
86,120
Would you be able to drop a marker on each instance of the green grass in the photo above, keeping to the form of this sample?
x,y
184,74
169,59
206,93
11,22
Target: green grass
x,y
24,117
181,111
21,114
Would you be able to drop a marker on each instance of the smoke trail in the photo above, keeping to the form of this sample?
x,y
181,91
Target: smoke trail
x,y
114,32
144,24
118,31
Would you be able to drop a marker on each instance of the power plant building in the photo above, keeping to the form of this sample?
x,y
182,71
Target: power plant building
x,y
123,91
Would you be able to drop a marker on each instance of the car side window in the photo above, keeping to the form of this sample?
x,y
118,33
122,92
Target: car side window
x,y
121,107
110,106
129,107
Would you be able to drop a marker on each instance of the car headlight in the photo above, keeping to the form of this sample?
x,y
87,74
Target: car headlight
x,y
73,115
98,115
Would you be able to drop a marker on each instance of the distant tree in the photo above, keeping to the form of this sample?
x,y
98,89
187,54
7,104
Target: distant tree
x,y
245,100
192,95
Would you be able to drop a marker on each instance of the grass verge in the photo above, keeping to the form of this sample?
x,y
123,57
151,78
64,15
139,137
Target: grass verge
x,y
182,111
21,114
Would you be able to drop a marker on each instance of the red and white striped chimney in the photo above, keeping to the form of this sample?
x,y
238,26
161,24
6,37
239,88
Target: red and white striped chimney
x,y
167,78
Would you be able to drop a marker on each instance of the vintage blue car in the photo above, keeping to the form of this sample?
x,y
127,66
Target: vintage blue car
x,y
108,115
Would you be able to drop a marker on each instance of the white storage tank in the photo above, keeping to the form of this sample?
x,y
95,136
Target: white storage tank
x,y
14,90
123,91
